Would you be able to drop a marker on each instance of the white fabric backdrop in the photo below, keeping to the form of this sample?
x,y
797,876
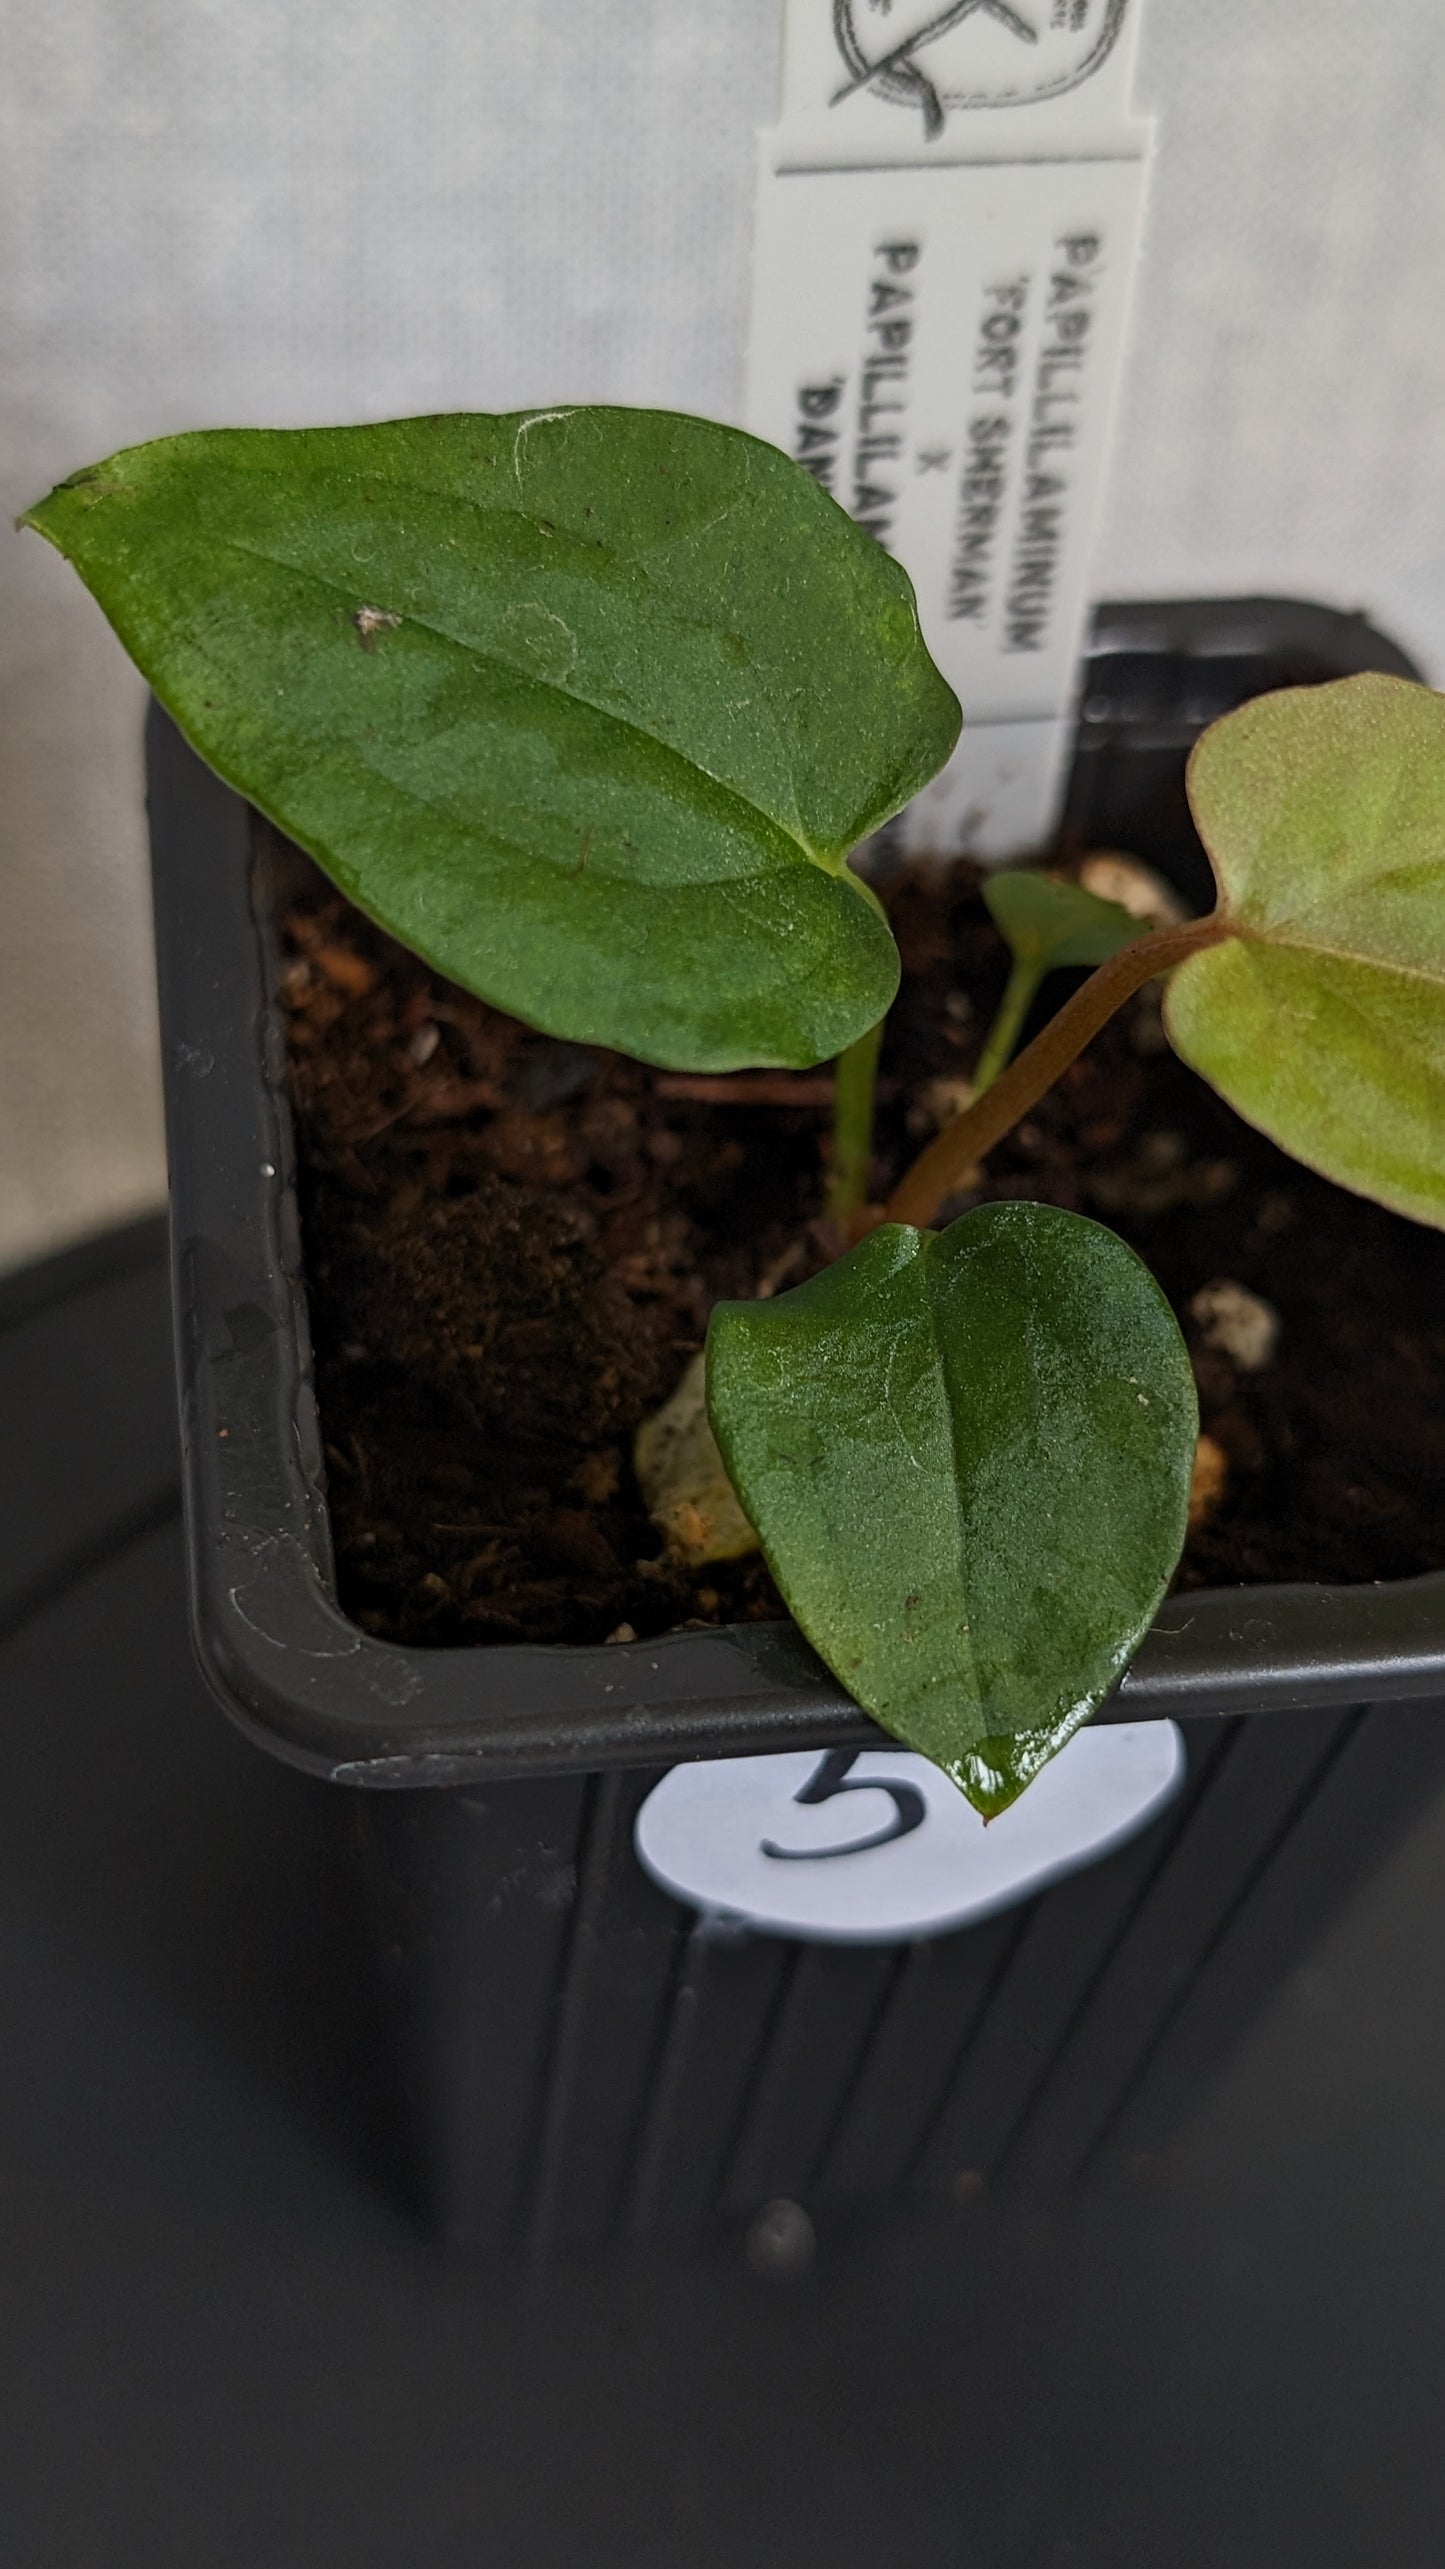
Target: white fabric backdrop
x,y
288,210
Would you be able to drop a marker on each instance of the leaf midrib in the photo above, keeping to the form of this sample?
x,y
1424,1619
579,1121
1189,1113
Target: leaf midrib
x,y
929,1248
1249,935
471,651
315,843
257,466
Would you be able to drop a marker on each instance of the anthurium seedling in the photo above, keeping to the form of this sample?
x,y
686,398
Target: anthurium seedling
x,y
1313,995
589,707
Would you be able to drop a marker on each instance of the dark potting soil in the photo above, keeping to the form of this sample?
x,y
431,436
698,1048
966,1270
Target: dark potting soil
x,y
512,1245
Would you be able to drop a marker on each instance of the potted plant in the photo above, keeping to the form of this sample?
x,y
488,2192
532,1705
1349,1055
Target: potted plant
x,y
589,709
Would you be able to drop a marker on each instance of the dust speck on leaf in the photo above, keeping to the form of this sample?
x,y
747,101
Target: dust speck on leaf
x,y
370,621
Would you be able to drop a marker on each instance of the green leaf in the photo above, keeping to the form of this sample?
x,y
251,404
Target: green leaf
x,y
967,1454
586,706
1323,1019
1049,924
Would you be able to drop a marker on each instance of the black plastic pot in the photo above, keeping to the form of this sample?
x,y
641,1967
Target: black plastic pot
x,y
583,2055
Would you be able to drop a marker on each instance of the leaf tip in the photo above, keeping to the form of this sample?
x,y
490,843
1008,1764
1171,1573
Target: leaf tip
x,y
43,517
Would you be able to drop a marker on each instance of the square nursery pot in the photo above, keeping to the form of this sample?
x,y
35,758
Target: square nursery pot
x,y
585,2053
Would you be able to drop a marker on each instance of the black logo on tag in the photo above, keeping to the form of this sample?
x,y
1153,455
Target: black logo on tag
x,y
971,53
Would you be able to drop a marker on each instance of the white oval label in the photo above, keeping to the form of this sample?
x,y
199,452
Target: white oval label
x,y
876,1846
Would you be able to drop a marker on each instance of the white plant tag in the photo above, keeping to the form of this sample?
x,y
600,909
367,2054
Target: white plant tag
x,y
947,231
876,1847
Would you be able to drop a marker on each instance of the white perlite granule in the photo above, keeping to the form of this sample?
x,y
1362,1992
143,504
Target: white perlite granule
x,y
1237,1323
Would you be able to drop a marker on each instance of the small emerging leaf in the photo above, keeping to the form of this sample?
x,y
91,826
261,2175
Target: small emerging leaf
x,y
684,1481
587,706
1046,923
1323,1019
968,1456
1049,924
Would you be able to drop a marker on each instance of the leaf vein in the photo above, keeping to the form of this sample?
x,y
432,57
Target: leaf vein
x,y
473,651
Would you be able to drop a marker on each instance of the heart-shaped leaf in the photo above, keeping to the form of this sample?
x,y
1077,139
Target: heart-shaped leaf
x,y
967,1454
1048,924
1322,1019
586,706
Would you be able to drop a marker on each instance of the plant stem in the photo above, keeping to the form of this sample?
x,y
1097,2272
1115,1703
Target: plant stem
x,y
1003,1034
853,1127
943,1167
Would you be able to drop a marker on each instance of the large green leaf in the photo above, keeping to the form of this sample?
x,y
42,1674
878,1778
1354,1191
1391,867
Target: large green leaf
x,y
1323,1019
967,1454
587,706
